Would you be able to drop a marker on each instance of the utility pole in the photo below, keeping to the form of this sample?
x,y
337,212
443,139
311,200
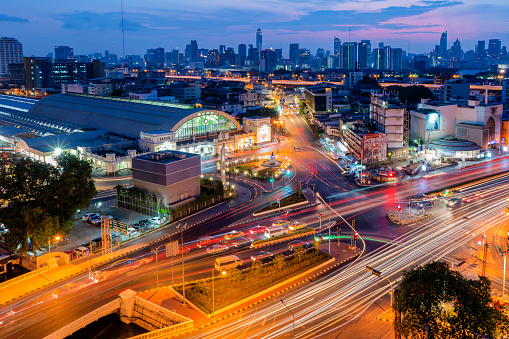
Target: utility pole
x,y
183,272
329,225
485,255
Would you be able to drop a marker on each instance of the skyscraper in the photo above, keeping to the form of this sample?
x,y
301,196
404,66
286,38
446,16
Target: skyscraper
x,y
269,60
456,51
38,73
367,43
363,50
443,45
194,50
294,53
481,49
259,42
349,55
64,53
337,45
155,55
242,50
494,48
304,57
11,52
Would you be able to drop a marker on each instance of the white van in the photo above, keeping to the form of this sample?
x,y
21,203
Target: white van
x,y
274,231
225,263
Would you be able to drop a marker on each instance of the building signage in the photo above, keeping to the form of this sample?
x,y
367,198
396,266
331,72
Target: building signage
x,y
433,122
374,148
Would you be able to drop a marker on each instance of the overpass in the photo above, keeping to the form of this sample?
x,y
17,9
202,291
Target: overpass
x,y
298,83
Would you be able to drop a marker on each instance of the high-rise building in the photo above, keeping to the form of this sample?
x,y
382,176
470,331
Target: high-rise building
x,y
242,51
494,48
64,53
443,45
320,53
213,57
304,57
222,49
294,53
259,42
38,73
396,59
155,55
349,51
384,58
337,45
367,43
229,56
363,50
66,71
193,52
269,60
279,54
11,52
456,51
481,49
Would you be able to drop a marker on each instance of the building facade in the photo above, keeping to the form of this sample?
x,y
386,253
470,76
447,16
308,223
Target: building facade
x,y
11,52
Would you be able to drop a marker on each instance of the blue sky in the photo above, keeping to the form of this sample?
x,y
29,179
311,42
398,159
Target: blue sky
x,y
94,25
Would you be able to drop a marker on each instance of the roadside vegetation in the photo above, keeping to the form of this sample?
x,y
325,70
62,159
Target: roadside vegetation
x,y
236,285
295,198
42,199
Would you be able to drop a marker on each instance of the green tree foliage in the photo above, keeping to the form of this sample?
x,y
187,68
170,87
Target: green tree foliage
x,y
27,226
55,193
368,81
436,299
411,94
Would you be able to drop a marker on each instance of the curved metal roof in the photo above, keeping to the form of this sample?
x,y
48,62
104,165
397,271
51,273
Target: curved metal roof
x,y
10,131
118,115
453,144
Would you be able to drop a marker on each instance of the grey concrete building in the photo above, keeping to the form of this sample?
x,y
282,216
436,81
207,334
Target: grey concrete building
x,y
173,175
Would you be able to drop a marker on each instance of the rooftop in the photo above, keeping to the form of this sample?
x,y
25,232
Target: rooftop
x,y
137,101
166,157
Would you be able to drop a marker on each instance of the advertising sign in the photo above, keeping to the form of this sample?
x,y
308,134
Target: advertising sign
x,y
374,147
433,122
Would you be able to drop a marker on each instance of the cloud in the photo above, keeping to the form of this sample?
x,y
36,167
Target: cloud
x,y
4,17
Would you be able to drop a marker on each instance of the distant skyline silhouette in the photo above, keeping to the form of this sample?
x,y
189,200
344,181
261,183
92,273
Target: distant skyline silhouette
x,y
94,25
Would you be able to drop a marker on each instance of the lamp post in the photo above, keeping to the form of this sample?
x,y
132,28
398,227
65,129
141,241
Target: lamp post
x,y
292,316
157,265
49,243
213,299
379,274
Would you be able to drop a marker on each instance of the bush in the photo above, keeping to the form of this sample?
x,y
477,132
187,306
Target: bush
x,y
289,200
232,287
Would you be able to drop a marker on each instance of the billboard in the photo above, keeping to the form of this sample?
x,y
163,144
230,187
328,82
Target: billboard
x,y
374,147
433,122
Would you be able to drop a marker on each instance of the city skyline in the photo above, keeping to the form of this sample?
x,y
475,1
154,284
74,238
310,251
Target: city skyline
x,y
415,26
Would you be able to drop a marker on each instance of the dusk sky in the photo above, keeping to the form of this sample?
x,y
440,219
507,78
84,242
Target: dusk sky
x,y
94,25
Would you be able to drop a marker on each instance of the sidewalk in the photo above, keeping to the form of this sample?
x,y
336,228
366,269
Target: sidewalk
x,y
163,297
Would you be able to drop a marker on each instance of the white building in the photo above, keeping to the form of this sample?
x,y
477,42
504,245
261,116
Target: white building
x,y
11,52
389,116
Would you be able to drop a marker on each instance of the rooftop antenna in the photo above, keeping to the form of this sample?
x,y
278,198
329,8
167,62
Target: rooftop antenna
x,y
123,41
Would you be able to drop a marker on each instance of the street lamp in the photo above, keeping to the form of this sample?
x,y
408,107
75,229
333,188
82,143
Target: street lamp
x,y
213,300
183,272
157,264
49,243
379,274
292,316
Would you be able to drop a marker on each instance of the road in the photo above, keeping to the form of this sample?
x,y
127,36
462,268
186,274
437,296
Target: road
x,y
321,307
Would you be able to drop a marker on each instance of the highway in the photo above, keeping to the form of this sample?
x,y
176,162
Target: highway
x,y
321,307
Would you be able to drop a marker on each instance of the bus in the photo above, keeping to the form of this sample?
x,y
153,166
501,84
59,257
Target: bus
x,y
274,231
225,263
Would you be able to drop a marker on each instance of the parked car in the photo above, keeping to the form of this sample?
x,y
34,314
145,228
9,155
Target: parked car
x,y
96,221
81,251
131,232
156,221
258,229
88,216
217,249
261,255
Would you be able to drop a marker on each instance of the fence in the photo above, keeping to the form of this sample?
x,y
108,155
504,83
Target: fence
x,y
85,320
163,332
24,277
184,211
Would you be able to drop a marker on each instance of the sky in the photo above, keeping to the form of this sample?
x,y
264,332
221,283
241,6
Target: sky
x,y
95,25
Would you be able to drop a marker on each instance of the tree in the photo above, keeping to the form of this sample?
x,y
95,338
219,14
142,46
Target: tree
x,y
411,94
29,229
369,82
279,260
442,302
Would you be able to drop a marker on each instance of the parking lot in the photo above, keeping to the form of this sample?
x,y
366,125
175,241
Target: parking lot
x,y
84,233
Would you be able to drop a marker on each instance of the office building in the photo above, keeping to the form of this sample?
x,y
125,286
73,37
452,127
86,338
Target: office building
x,y
294,53
192,50
172,175
242,51
318,98
11,52
337,45
259,42
456,51
363,51
494,48
269,60
38,73
71,71
349,57
443,45
367,44
64,53
396,59
455,90
481,49
17,76
388,113
304,57
155,55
